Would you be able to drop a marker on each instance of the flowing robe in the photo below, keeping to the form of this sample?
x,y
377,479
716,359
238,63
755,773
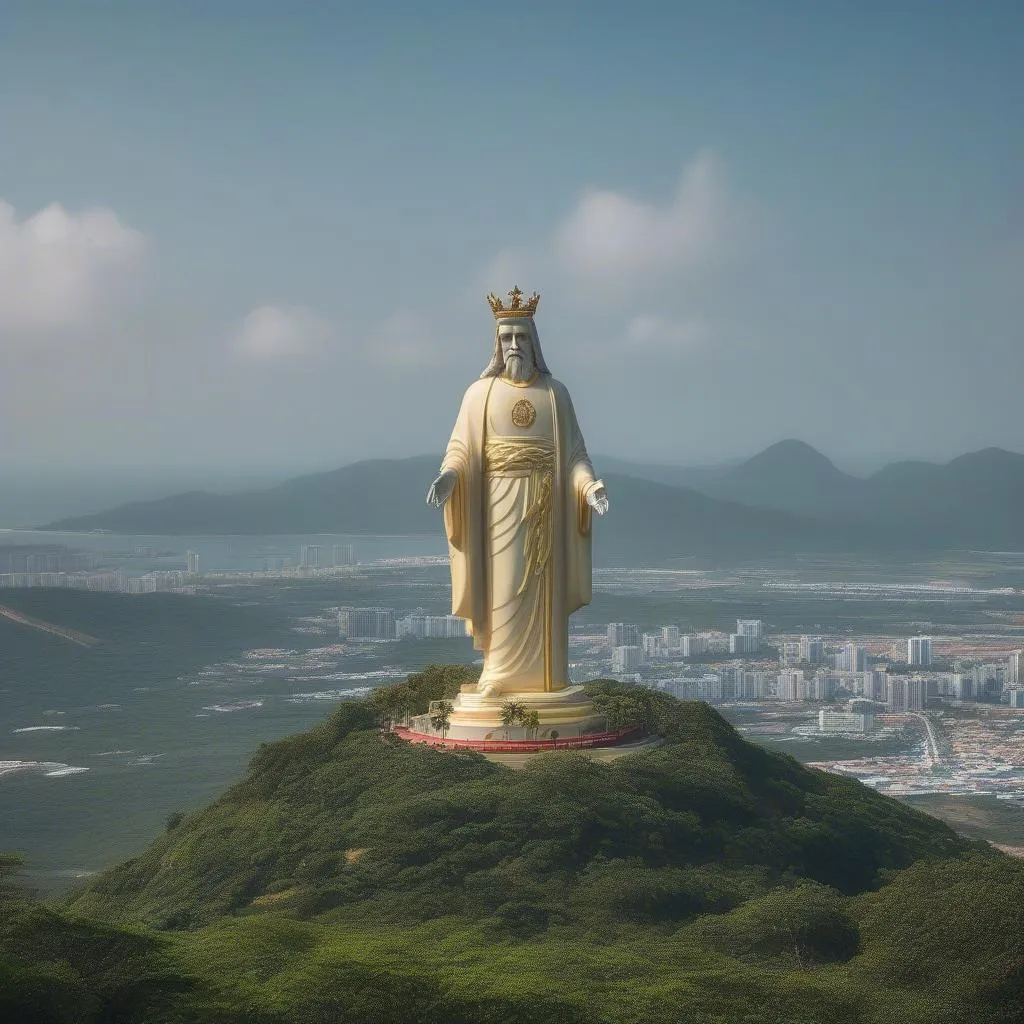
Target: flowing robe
x,y
518,528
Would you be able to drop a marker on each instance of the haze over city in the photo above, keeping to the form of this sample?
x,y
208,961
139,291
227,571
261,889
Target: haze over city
x,y
236,241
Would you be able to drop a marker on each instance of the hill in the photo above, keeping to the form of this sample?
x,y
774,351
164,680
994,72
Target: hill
x,y
972,501
788,498
351,877
651,521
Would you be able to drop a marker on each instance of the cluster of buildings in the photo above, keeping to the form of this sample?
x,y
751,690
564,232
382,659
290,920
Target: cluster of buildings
x,y
42,560
114,581
384,624
57,566
736,666
313,556
631,649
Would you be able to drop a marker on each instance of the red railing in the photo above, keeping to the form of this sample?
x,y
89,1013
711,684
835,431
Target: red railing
x,y
593,739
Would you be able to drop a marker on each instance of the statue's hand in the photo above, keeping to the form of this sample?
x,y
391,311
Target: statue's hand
x,y
597,499
441,489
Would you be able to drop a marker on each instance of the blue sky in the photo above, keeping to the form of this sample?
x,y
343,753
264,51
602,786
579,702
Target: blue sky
x,y
275,225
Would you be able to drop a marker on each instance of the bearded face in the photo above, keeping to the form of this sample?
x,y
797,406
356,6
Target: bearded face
x,y
516,341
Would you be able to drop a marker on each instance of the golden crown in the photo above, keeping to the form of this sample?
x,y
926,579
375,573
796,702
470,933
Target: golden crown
x,y
515,307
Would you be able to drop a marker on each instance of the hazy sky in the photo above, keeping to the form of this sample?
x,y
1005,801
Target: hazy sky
x,y
260,235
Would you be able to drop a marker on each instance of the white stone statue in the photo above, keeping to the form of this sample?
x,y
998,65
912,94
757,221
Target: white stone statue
x,y
518,491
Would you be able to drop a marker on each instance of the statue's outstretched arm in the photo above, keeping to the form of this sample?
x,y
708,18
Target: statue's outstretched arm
x,y
456,458
584,479
442,487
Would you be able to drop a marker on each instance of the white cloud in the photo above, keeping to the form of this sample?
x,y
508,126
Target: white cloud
x,y
652,332
280,332
612,248
61,271
610,237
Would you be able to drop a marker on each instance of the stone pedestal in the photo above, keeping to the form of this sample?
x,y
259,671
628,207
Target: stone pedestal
x,y
569,712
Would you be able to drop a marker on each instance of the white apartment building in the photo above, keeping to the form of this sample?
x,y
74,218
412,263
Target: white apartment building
x,y
693,646
626,658
844,721
919,650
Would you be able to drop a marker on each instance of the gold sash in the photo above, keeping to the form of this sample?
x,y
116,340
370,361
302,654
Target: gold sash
x,y
533,457
519,455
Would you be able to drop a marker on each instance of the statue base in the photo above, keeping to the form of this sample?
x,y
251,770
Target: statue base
x,y
567,714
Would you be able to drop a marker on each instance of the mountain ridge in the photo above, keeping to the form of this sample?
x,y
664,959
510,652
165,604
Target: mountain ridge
x,y
787,498
651,520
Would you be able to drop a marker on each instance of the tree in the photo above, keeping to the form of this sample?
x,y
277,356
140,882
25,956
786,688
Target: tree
x,y
442,716
512,711
622,710
531,722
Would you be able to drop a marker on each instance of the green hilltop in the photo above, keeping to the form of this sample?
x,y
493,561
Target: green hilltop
x,y
349,876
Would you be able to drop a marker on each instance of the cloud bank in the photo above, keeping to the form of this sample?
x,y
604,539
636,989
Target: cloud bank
x,y
62,271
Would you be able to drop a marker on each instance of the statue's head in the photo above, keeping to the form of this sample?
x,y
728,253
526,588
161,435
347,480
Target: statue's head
x,y
517,353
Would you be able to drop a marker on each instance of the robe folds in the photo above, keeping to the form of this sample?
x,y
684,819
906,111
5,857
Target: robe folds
x,y
518,527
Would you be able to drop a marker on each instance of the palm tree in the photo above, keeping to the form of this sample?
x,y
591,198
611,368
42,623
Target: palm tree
x,y
512,712
531,721
442,716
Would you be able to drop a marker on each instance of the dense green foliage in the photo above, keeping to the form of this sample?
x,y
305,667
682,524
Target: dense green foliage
x,y
353,877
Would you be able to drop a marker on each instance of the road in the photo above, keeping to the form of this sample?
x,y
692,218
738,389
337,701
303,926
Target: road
x,y
932,754
82,639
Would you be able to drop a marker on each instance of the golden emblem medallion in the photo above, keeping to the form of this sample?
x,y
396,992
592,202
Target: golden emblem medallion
x,y
523,413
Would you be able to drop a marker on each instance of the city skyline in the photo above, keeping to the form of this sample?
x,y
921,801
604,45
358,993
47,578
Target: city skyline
x,y
231,237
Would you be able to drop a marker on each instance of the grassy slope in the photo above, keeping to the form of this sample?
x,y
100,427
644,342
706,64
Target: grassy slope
x,y
707,880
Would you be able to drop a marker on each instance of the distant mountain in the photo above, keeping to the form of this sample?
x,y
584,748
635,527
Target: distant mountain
x,y
790,475
787,498
650,522
675,476
976,500
383,496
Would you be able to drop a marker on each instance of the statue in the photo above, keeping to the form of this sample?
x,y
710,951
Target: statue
x,y
518,492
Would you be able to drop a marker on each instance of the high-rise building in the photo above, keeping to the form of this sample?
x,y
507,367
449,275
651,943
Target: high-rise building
x,y
844,721
670,637
436,627
812,649
789,652
1015,669
919,650
905,693
652,645
367,623
961,686
790,686
851,658
623,634
821,686
739,643
192,561
309,556
747,686
626,658
693,646
917,693
874,687
750,629
1016,697
344,554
